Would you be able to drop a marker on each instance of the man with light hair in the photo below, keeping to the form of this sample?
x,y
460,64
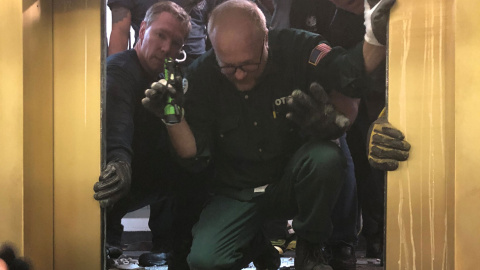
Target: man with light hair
x,y
272,148
141,167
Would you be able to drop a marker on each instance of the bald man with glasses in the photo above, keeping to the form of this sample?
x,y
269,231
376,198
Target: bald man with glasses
x,y
273,149
230,70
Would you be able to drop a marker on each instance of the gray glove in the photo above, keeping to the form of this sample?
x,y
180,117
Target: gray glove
x,y
113,183
314,115
163,95
376,15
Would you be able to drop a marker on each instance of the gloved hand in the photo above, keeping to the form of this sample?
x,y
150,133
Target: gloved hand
x,y
113,183
316,117
160,95
386,145
376,15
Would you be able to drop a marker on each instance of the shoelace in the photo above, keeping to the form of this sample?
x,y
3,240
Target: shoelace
x,y
125,262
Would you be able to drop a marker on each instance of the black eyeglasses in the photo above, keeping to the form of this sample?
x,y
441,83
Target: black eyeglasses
x,y
230,70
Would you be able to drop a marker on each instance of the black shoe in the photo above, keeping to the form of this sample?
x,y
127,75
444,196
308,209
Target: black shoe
x,y
153,259
110,262
374,249
310,256
113,251
269,259
342,257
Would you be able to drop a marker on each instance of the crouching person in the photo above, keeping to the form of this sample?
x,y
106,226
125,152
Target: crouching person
x,y
272,148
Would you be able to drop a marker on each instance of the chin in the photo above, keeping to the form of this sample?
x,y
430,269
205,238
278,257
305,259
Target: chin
x,y
244,86
157,69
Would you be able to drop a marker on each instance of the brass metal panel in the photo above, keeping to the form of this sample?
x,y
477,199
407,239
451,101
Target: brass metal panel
x,y
77,54
467,128
421,98
38,131
11,123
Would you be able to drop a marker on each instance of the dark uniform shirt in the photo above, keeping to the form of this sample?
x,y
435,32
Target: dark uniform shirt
x,y
338,26
345,29
246,133
134,134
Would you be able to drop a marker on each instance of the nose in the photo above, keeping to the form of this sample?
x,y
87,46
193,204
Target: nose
x,y
166,47
240,74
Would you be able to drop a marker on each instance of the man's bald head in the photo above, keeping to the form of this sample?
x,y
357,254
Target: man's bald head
x,y
239,38
237,17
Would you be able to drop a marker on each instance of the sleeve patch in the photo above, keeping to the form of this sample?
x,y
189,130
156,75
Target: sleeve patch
x,y
318,53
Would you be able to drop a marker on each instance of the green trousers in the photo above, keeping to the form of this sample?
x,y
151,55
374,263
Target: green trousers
x,y
306,193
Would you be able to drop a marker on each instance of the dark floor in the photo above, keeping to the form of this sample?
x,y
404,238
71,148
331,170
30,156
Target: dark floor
x,y
136,243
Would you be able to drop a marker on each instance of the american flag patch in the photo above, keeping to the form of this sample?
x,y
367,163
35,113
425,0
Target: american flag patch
x,y
318,53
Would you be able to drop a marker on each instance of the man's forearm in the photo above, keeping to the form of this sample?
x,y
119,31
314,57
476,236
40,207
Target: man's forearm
x,y
121,20
348,106
182,139
373,55
118,41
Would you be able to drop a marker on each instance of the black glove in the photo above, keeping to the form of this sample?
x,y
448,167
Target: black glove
x,y
162,94
376,15
386,145
113,183
316,117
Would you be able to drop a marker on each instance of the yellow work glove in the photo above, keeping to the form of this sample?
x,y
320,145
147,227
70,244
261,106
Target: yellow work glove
x,y
386,145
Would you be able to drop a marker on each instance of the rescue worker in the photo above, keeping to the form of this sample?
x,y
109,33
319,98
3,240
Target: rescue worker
x,y
272,147
341,22
345,29
141,166
128,14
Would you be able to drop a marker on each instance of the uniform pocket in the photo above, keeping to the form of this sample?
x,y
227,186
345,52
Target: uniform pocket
x,y
230,137
227,126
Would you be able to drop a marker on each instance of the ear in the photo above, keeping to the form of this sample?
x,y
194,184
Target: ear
x,y
141,33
